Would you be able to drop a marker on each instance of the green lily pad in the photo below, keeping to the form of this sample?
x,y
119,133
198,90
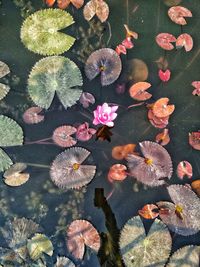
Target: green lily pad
x,y
4,89
11,133
64,262
5,161
40,32
139,249
38,245
187,256
55,74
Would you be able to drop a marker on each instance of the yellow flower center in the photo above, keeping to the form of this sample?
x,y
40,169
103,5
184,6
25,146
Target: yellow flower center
x,y
179,209
76,166
102,68
148,161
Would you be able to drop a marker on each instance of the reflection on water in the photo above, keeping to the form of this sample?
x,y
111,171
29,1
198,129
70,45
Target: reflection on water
x,y
53,208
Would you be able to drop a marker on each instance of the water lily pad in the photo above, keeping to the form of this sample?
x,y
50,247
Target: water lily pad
x,y
40,32
139,249
14,176
187,256
64,262
38,245
4,89
5,161
52,75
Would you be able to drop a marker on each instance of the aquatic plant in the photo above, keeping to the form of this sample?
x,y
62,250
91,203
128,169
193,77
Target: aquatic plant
x,y
135,70
40,32
81,233
105,62
104,133
117,172
62,136
84,132
14,176
185,256
32,115
184,168
62,4
11,134
178,13
4,89
96,7
184,40
165,40
67,170
86,99
196,85
149,211
194,140
52,75
64,262
139,249
163,138
38,245
121,152
138,91
164,75
195,185
153,167
182,216
105,115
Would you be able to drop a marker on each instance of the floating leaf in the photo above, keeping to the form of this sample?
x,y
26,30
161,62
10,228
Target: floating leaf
x,y
32,115
157,122
38,245
121,152
196,187
163,138
62,136
164,40
184,40
178,13
84,133
187,256
117,172
164,75
184,168
182,216
194,140
40,32
86,99
62,4
161,108
55,74
5,161
11,133
96,7
4,89
82,233
64,262
105,62
154,167
14,176
196,85
139,249
138,91
67,170
136,70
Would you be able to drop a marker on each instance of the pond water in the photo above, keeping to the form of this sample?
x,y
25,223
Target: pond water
x,y
42,201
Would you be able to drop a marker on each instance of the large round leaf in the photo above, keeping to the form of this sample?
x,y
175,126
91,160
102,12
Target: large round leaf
x,y
55,74
39,32
139,249
11,133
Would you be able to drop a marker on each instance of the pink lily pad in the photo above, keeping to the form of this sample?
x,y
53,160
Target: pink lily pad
x,y
178,13
184,40
164,75
165,40
184,168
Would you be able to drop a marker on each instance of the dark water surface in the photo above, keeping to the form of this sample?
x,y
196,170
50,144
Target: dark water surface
x,y
41,200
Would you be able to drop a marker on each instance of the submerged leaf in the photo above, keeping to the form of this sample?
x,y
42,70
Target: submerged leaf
x,y
38,245
67,170
82,233
182,216
4,89
178,13
11,133
55,74
153,167
136,70
187,256
172,2
139,249
105,62
40,32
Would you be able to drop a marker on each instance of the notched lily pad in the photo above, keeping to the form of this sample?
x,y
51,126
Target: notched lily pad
x,y
38,245
52,75
40,32
139,249
4,89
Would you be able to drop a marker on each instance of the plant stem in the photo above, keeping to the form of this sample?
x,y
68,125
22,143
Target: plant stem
x,y
37,165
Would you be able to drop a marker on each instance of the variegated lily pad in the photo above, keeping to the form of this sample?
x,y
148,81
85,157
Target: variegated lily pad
x,y
139,249
14,176
188,256
40,32
64,262
38,245
4,89
52,75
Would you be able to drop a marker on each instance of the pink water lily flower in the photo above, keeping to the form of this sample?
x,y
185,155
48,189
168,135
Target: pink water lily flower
x,y
105,115
84,133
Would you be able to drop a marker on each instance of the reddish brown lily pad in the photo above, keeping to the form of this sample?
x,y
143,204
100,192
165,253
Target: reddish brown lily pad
x,y
32,115
96,7
149,211
62,136
165,40
162,109
138,91
184,40
178,13
194,140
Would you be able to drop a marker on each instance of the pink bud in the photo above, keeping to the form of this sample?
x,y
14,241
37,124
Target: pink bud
x,y
120,49
164,75
128,43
